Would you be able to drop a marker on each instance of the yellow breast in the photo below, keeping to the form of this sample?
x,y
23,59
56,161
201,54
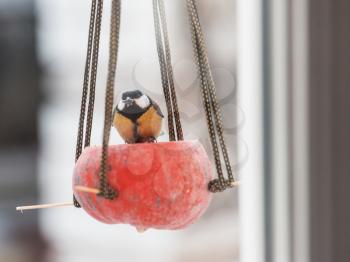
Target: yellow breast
x,y
149,124
125,127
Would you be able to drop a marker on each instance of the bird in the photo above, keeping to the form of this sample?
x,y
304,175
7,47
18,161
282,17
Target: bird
x,y
137,118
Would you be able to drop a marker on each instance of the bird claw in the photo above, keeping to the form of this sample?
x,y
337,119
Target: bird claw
x,y
147,140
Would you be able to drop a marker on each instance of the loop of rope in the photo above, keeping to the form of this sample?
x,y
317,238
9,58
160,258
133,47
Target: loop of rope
x,y
105,189
92,51
96,48
211,106
89,85
80,137
163,49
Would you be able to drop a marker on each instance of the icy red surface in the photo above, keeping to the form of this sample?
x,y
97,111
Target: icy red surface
x,y
161,185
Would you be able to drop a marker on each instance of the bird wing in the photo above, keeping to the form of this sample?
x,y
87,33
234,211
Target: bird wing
x,y
157,108
113,114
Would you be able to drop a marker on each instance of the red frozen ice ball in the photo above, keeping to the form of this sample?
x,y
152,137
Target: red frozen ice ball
x,y
160,185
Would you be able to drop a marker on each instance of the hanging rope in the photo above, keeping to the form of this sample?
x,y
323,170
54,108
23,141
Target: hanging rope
x,y
89,85
211,106
163,49
96,48
105,190
89,80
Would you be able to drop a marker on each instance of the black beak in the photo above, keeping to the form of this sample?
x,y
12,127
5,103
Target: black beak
x,y
128,102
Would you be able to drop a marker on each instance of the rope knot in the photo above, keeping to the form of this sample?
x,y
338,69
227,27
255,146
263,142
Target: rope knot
x,y
76,203
108,193
215,185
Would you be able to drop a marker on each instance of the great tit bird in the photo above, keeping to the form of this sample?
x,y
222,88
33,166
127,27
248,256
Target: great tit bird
x,y
137,118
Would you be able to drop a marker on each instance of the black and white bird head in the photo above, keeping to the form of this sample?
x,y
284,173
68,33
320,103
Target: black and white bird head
x,y
134,102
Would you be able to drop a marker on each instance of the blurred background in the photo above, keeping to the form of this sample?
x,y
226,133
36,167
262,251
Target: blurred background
x,y
282,70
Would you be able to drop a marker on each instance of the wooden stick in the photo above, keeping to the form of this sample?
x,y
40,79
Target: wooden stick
x,y
63,204
97,191
87,189
78,188
81,189
236,183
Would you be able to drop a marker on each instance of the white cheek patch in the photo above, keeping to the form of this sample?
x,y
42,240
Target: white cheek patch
x,y
143,101
121,106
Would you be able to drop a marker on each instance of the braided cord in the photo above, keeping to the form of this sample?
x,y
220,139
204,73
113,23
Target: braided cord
x,y
163,49
96,48
179,131
89,87
93,42
80,137
211,106
105,190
